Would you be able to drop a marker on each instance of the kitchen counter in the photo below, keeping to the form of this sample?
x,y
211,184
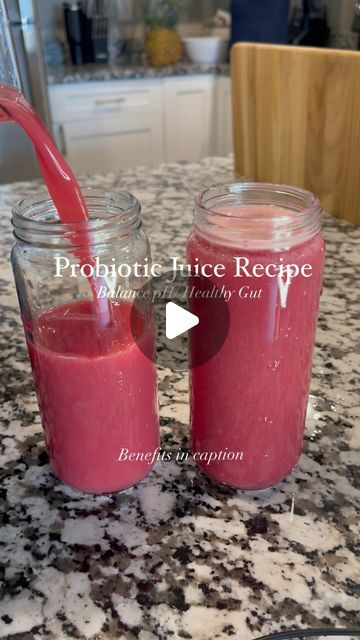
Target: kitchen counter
x,y
178,556
96,72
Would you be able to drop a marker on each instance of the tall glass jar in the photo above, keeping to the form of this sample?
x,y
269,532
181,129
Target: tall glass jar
x,y
96,389
248,402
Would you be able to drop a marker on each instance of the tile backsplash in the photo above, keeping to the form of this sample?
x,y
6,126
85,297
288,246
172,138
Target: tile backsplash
x,y
126,20
193,11
127,14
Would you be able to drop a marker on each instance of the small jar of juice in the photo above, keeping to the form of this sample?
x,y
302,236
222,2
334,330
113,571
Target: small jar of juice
x,y
249,401
96,389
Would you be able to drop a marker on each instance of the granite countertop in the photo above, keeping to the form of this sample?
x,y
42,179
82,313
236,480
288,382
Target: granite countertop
x,y
96,72
177,556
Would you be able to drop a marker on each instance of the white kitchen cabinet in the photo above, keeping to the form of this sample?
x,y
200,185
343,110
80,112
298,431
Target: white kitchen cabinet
x,y
116,142
224,123
109,125
189,117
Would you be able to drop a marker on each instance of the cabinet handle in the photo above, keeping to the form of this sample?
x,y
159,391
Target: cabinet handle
x,y
110,101
190,92
62,140
110,134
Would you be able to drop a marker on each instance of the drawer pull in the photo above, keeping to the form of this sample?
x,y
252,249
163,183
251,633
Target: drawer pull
x,y
190,92
109,134
110,101
62,143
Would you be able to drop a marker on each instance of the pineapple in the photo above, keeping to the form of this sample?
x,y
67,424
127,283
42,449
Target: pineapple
x,y
163,44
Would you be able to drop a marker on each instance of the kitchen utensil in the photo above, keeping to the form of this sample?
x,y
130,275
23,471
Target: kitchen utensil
x,y
72,16
356,19
86,28
99,32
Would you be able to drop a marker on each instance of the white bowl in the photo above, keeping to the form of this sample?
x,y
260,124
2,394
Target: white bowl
x,y
203,50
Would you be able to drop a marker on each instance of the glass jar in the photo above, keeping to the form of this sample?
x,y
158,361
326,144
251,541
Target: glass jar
x,y
249,401
96,389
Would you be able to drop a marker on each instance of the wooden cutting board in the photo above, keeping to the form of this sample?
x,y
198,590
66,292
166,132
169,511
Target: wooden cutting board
x,y
296,114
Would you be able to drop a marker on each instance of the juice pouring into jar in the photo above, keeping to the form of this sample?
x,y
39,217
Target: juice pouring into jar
x,y
96,389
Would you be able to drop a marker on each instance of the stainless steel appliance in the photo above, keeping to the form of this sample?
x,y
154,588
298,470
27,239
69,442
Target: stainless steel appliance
x,y
23,46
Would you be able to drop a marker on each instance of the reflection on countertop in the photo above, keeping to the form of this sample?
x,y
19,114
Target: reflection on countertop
x,y
177,556
95,72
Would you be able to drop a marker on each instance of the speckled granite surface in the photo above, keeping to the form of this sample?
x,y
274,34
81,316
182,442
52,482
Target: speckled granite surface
x,y
93,72
178,557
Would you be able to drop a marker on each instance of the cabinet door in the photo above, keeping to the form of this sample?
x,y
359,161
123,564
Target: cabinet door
x,y
117,142
189,117
224,125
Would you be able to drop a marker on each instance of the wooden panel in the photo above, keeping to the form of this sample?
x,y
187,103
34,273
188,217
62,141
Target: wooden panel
x,y
296,115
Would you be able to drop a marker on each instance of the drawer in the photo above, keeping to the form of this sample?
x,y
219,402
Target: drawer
x,y
115,143
70,102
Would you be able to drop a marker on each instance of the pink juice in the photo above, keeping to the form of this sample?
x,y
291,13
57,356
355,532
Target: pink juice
x,y
97,396
251,398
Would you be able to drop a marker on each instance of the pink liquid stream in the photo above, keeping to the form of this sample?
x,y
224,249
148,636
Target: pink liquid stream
x,y
58,176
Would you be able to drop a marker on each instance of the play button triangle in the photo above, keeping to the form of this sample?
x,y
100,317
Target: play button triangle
x,y
178,320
